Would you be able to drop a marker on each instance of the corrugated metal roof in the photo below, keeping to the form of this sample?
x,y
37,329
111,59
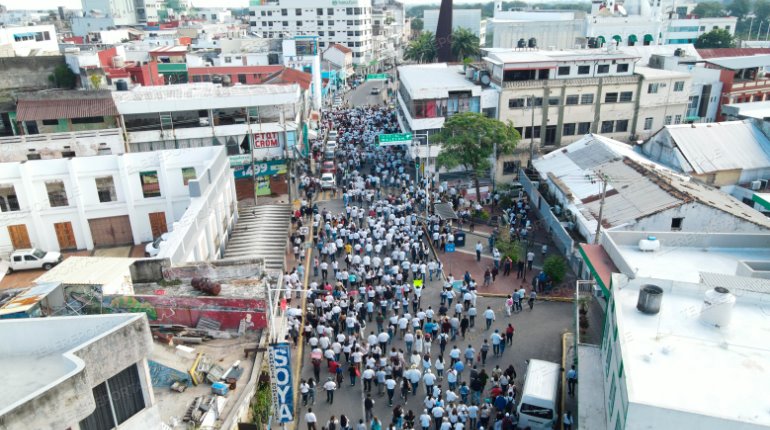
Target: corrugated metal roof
x,y
444,211
737,63
736,283
33,110
731,52
721,146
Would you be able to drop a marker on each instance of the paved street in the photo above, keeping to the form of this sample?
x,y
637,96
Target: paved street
x,y
362,96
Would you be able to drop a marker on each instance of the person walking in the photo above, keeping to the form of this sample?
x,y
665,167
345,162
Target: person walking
x,y
479,248
330,386
496,340
571,381
567,420
530,260
509,334
368,407
532,297
310,419
489,315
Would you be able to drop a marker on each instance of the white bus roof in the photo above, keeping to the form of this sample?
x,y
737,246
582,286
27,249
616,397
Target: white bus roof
x,y
542,380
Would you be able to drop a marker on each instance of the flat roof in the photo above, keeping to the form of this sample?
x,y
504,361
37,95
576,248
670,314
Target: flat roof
x,y
592,408
737,63
509,55
757,110
674,361
651,73
77,270
430,81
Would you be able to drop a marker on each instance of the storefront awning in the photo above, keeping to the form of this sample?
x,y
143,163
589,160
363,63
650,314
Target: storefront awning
x,y
617,38
648,38
600,40
632,38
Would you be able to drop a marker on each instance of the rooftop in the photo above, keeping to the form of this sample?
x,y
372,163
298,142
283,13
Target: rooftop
x,y
757,110
731,52
90,271
737,63
64,104
715,147
672,359
508,56
652,74
425,81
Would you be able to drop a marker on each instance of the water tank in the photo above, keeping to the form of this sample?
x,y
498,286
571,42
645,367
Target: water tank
x,y
532,43
650,297
121,85
650,244
522,43
118,62
678,52
718,307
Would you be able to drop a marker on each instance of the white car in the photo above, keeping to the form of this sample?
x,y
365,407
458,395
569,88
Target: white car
x,y
332,135
327,181
331,145
153,248
27,259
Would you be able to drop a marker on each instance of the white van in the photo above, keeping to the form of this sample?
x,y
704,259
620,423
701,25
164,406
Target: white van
x,y
537,408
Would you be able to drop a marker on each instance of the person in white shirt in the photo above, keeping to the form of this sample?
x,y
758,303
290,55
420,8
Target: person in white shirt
x,y
425,420
310,419
489,315
429,379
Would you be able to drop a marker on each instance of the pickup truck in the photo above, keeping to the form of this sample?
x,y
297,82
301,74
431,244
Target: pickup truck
x,y
26,259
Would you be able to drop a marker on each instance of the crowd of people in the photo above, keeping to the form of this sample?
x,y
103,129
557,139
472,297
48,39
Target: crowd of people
x,y
372,268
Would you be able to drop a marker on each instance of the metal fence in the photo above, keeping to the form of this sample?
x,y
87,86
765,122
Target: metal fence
x,y
553,226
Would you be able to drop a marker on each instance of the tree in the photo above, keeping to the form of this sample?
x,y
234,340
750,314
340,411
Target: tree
x,y
465,44
740,8
63,77
417,24
762,9
422,49
555,268
718,38
467,140
708,9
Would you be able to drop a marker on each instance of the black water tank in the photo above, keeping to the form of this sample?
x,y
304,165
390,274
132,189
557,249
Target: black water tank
x,y
522,43
532,42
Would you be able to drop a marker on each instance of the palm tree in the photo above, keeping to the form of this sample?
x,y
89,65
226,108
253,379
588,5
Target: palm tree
x,y
422,49
465,44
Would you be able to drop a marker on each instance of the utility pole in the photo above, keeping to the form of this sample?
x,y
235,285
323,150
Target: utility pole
x,y
602,178
532,133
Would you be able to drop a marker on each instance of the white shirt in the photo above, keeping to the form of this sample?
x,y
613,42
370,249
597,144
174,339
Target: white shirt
x,y
489,314
310,418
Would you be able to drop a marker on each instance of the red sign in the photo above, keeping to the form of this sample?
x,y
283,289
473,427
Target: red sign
x,y
265,140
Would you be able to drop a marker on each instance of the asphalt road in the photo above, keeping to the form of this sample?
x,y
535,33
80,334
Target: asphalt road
x,y
362,96
538,335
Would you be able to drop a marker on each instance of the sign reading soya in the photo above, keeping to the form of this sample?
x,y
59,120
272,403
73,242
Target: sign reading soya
x,y
280,374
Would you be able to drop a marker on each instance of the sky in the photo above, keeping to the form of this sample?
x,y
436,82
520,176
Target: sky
x,y
75,4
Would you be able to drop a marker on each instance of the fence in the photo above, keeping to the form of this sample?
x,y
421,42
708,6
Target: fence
x,y
553,226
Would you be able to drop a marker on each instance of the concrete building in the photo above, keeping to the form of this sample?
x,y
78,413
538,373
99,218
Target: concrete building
x,y
744,78
213,14
640,196
68,382
107,14
24,41
550,29
682,31
342,59
709,288
115,200
349,24
461,18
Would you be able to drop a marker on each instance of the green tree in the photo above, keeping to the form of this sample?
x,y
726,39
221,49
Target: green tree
x,y
62,77
422,49
708,9
417,24
740,8
468,139
555,268
762,9
719,38
465,44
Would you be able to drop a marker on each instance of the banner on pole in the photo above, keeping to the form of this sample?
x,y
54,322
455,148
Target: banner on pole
x,y
279,357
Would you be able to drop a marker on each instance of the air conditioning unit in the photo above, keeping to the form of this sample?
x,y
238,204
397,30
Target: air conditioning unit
x,y
764,184
597,291
756,185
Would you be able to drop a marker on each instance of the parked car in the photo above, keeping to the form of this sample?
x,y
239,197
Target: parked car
x,y
327,181
331,145
32,258
332,135
376,91
153,248
329,155
328,167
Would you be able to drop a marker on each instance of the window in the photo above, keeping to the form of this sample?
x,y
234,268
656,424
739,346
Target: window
x,y
568,129
150,184
57,195
286,23
330,11
8,200
621,125
511,167
603,68
676,224
516,103
228,60
33,156
564,70
88,120
298,12
677,119
299,23
117,399
626,96
284,12
553,101
667,120
584,127
105,189
572,100
241,78
611,98
50,122
622,67
537,411
652,88
607,126
349,11
678,86
332,33
586,99
320,11
613,390
608,359
584,70
67,154
537,101
648,123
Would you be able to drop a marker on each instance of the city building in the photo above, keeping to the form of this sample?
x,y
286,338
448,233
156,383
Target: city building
x,y
117,200
744,78
546,29
108,14
688,30
57,111
698,295
640,195
461,18
628,24
349,24
64,372
341,58
30,40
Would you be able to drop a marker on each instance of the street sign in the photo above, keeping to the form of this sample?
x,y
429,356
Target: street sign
x,y
377,77
394,139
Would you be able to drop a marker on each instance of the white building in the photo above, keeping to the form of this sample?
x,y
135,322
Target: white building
x,y
348,23
649,371
107,14
641,196
65,373
220,15
28,40
550,29
61,145
115,200
461,18
679,31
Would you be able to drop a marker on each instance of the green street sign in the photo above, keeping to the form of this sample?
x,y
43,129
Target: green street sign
x,y
377,77
394,139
